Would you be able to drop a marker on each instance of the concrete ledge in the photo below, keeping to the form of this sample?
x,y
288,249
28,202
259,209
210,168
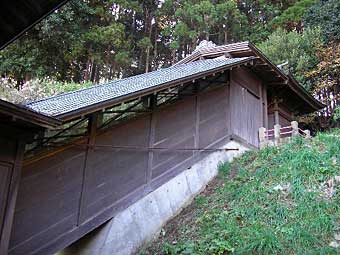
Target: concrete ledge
x,y
141,222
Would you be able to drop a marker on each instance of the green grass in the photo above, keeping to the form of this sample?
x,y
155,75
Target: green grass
x,y
247,215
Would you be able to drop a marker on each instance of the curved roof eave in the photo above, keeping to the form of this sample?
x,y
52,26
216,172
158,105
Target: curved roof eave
x,y
302,92
293,84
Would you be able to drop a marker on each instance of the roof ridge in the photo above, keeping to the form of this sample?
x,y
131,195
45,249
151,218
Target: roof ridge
x,y
197,53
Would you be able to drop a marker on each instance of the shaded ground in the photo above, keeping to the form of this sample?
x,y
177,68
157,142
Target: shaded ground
x,y
276,201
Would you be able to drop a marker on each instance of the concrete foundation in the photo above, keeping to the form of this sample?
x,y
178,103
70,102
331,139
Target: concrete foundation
x,y
129,230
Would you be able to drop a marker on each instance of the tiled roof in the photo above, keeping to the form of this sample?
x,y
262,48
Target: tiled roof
x,y
73,101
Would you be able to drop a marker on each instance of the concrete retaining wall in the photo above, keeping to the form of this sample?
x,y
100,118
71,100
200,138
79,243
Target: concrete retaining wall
x,y
140,223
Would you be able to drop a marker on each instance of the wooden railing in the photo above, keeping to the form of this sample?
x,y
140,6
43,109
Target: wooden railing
x,y
279,134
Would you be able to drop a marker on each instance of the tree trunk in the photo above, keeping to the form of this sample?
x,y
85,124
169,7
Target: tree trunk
x,y
173,54
87,69
226,38
155,49
147,60
97,74
93,71
149,33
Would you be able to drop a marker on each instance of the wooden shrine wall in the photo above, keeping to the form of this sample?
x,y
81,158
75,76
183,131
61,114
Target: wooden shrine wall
x,y
11,152
246,105
64,196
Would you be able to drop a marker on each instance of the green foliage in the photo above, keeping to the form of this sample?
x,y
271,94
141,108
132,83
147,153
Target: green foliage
x,y
89,40
325,14
123,59
112,34
98,41
278,203
292,17
200,19
144,43
325,78
298,49
60,46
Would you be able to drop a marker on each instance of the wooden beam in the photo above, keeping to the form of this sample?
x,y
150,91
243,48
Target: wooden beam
x,y
153,102
227,55
284,82
126,111
265,98
91,130
276,112
151,141
197,123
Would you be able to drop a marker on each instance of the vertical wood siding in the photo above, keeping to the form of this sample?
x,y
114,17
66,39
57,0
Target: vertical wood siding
x,y
271,120
48,200
113,174
64,196
11,152
246,79
246,107
174,128
284,121
213,117
5,173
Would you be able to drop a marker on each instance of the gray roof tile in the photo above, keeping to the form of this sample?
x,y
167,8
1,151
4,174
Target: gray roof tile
x,y
68,102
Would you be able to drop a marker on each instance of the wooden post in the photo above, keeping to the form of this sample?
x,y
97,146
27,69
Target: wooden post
x,y
91,130
307,132
277,128
262,137
295,128
197,124
152,129
265,106
276,112
276,117
100,120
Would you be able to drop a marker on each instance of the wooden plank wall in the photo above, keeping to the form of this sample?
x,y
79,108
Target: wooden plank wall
x,y
7,157
48,200
246,105
173,127
271,120
64,196
283,121
285,117
11,152
5,170
111,175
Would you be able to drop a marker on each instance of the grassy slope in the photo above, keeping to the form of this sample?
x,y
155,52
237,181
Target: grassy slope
x,y
243,213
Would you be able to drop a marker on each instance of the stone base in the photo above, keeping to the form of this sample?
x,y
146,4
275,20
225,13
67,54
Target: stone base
x,y
130,229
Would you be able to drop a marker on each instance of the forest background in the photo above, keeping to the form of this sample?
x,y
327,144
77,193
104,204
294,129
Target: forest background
x,y
88,42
